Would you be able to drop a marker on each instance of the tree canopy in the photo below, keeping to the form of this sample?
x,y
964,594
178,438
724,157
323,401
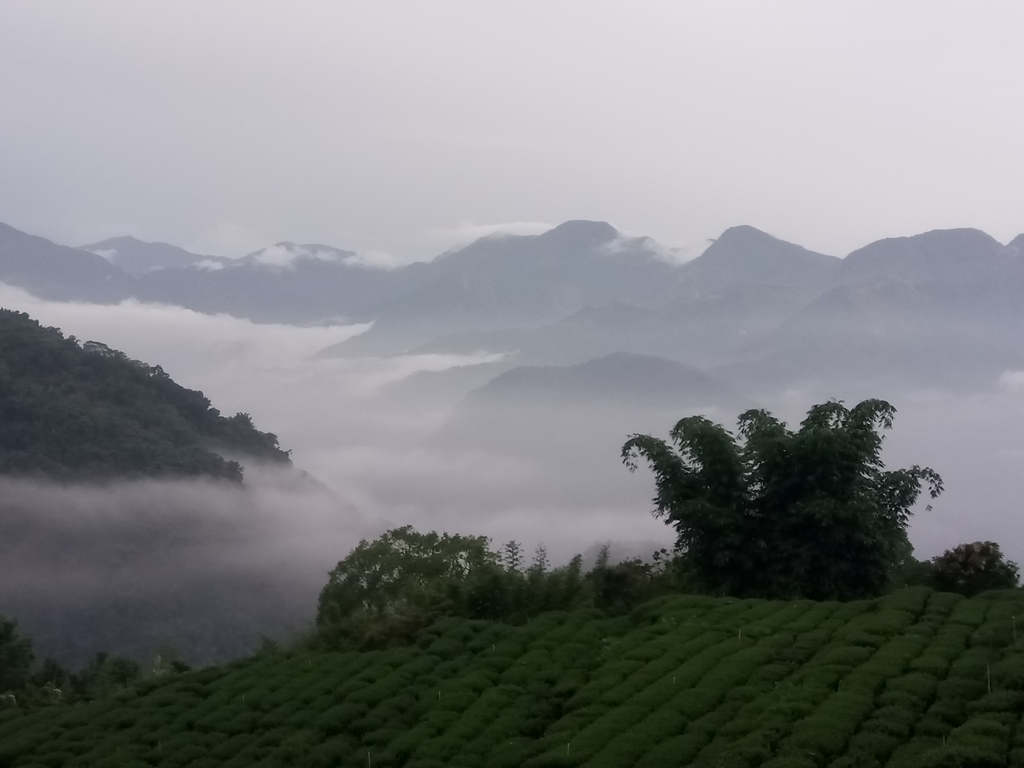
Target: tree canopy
x,y
973,568
782,513
399,582
388,589
85,411
15,656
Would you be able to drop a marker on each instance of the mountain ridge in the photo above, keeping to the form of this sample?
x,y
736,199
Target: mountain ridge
x,y
937,254
58,272
744,254
617,376
137,257
575,292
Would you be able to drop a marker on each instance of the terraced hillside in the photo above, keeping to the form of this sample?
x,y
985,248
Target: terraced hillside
x,y
917,678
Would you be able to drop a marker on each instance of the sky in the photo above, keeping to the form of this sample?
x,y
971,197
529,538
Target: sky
x,y
402,129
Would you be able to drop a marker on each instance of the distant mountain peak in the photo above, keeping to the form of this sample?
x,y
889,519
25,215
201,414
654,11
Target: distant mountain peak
x,y
745,255
955,254
957,236
745,232
758,241
581,232
120,240
572,241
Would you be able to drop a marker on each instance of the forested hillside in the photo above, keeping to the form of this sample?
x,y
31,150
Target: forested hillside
x,y
916,678
83,411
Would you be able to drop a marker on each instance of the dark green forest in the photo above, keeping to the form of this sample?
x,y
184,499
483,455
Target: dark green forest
x,y
82,411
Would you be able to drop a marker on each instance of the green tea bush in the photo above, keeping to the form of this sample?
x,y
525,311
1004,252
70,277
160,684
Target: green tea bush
x,y
999,701
931,664
901,700
973,664
893,720
720,683
872,744
962,756
970,612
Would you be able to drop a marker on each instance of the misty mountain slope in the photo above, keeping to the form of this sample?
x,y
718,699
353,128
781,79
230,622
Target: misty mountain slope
x,y
895,333
448,387
583,247
743,286
288,257
577,416
943,309
720,325
958,255
619,376
516,281
591,332
137,257
745,255
286,283
53,271
706,329
496,282
88,412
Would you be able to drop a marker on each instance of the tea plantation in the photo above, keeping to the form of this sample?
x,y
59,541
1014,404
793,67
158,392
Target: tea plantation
x,y
916,678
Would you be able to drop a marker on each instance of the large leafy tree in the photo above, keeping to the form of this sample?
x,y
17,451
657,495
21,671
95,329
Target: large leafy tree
x,y
779,513
388,588
972,568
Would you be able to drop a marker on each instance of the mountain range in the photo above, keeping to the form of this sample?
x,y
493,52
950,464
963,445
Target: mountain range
x,y
750,309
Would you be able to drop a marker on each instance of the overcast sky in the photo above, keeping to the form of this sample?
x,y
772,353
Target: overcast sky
x,y
403,128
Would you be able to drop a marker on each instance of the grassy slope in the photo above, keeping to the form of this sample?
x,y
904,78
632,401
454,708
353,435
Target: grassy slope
x,y
913,679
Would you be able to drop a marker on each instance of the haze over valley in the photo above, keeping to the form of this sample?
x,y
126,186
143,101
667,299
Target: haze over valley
x,y
490,389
